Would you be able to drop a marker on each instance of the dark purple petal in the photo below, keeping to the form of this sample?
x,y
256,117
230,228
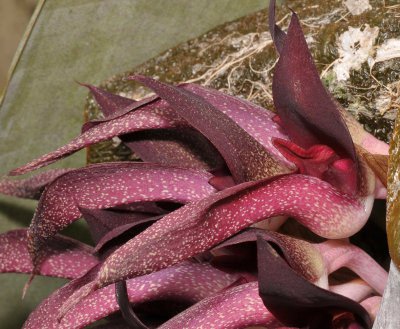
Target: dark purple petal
x,y
307,112
121,294
246,158
63,257
101,222
30,188
278,36
175,147
151,116
186,282
297,302
301,255
119,235
111,105
235,308
107,185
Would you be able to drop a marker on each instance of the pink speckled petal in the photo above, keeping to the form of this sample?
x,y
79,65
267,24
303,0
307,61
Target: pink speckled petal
x,y
338,253
32,187
107,185
234,308
295,301
63,257
186,282
200,225
246,158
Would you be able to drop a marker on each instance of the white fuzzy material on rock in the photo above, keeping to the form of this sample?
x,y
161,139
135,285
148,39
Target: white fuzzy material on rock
x,y
388,50
357,7
355,47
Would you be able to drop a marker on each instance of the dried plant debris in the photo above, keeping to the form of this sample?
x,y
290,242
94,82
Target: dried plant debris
x,y
355,44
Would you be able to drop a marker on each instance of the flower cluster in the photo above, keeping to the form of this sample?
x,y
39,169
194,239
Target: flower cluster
x,y
189,237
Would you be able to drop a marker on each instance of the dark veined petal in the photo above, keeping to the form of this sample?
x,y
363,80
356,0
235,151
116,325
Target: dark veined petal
x,y
107,185
277,35
183,147
175,147
246,158
103,221
151,116
186,282
200,225
297,302
63,257
306,110
111,105
32,187
119,235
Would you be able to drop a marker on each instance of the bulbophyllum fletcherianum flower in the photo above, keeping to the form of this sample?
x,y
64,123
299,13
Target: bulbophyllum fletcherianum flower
x,y
173,225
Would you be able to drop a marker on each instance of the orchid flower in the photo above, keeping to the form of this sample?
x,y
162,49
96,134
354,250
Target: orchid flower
x,y
166,229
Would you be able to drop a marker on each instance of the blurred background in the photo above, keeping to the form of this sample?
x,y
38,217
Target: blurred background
x,y
14,17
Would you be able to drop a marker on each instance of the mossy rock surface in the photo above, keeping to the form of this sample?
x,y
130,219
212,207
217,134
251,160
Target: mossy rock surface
x,y
238,58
